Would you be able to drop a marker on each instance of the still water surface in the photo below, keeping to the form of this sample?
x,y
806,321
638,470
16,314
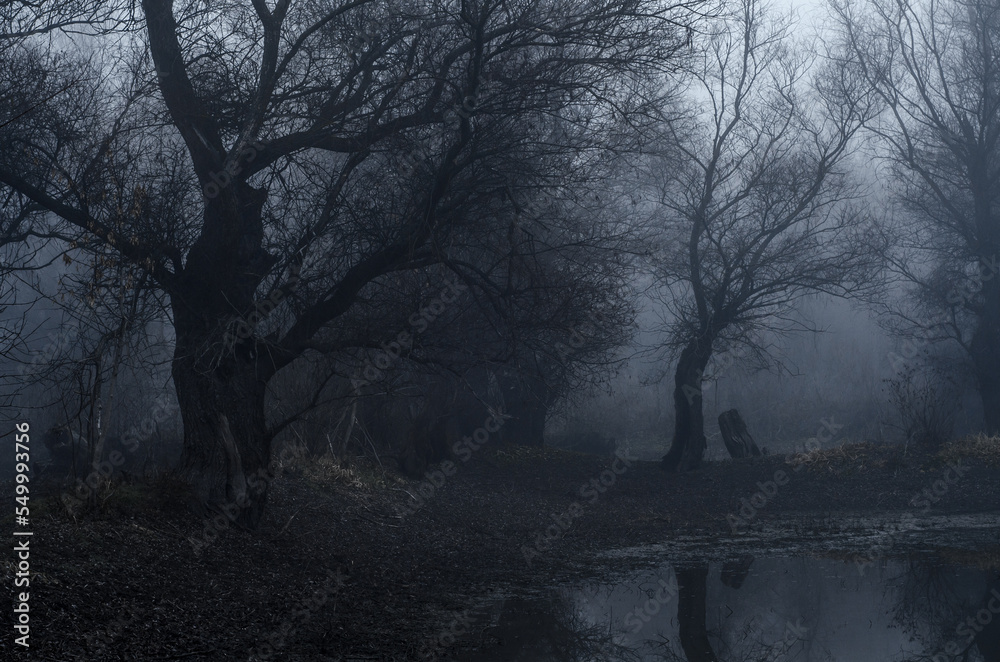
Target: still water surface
x,y
809,608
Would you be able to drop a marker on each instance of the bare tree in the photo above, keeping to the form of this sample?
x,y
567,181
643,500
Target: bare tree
x,y
753,204
262,148
542,313
553,305
936,70
27,84
20,19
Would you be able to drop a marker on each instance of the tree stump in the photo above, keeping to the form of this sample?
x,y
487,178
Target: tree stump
x,y
738,441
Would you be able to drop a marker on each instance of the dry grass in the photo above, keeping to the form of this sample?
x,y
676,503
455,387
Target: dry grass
x,y
328,470
865,456
978,447
857,456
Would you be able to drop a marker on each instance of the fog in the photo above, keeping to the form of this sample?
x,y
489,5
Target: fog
x,y
501,330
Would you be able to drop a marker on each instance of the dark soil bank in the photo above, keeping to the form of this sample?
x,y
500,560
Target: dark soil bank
x,y
360,564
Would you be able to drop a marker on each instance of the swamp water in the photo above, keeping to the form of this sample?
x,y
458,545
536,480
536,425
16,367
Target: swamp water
x,y
930,594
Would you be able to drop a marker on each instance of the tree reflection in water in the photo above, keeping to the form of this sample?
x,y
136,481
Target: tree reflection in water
x,y
929,611
952,620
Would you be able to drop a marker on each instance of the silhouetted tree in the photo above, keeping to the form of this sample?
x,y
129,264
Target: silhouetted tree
x,y
935,69
271,167
753,199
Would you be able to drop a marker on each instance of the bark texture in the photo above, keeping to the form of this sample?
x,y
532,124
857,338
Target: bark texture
x,y
688,447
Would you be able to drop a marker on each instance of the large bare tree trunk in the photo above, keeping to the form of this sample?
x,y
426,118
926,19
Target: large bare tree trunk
x,y
219,376
226,447
688,447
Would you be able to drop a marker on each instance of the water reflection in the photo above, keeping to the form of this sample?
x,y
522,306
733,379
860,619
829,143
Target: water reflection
x,y
758,610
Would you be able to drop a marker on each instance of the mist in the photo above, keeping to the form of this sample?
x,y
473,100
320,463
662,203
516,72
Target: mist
x,y
501,330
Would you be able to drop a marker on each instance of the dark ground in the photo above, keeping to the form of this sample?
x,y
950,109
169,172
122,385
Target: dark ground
x,y
125,583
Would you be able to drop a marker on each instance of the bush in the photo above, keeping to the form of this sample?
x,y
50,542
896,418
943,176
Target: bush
x,y
926,402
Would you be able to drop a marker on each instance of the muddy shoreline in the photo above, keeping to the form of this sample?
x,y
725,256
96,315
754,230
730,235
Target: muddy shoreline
x,y
363,564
